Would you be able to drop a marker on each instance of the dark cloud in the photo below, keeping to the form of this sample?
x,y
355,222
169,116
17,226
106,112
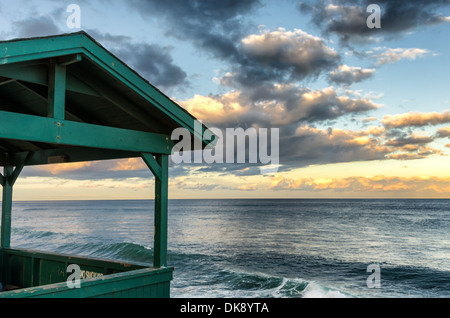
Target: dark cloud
x,y
215,26
346,75
281,56
409,140
219,29
154,63
35,26
311,146
347,19
151,61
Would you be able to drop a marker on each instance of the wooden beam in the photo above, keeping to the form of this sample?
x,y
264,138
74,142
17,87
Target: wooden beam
x,y
5,80
33,73
152,164
69,59
119,101
38,91
56,90
70,154
48,130
5,239
19,167
161,212
37,72
48,47
13,106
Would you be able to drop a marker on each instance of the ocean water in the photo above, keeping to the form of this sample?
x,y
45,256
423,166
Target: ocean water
x,y
261,248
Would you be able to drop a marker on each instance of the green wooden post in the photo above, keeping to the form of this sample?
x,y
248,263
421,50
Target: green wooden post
x,y
56,90
6,207
161,211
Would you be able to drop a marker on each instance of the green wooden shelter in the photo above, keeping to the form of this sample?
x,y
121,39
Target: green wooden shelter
x,y
64,99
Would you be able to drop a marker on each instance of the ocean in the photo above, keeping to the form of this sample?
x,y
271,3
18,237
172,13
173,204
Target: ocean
x,y
268,248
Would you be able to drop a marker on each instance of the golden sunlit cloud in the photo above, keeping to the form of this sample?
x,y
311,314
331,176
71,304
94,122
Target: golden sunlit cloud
x,y
379,183
217,109
130,164
443,132
416,119
248,187
57,169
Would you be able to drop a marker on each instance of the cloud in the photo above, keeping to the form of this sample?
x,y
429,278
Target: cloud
x,y
282,54
274,105
347,19
248,187
35,26
214,26
319,146
443,132
220,30
151,61
347,75
57,169
217,109
416,119
92,170
410,140
131,164
312,145
369,119
187,183
413,152
378,184
397,54
296,111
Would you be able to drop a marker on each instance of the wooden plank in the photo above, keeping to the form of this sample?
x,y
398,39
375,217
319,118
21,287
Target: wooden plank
x,y
37,72
39,93
19,168
5,240
79,260
161,210
95,287
69,59
118,100
56,90
47,130
152,164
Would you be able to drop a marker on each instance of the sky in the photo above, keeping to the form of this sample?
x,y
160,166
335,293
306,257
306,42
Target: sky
x,y
361,112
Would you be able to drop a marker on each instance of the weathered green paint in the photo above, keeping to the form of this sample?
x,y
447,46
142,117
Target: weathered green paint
x,y
152,164
69,59
81,43
160,168
38,73
44,275
54,124
161,212
6,207
64,132
118,100
56,90
19,167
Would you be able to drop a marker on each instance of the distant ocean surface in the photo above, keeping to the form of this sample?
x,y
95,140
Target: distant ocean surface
x,y
260,248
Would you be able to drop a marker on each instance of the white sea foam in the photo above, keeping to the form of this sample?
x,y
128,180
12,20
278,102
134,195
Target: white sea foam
x,y
314,290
